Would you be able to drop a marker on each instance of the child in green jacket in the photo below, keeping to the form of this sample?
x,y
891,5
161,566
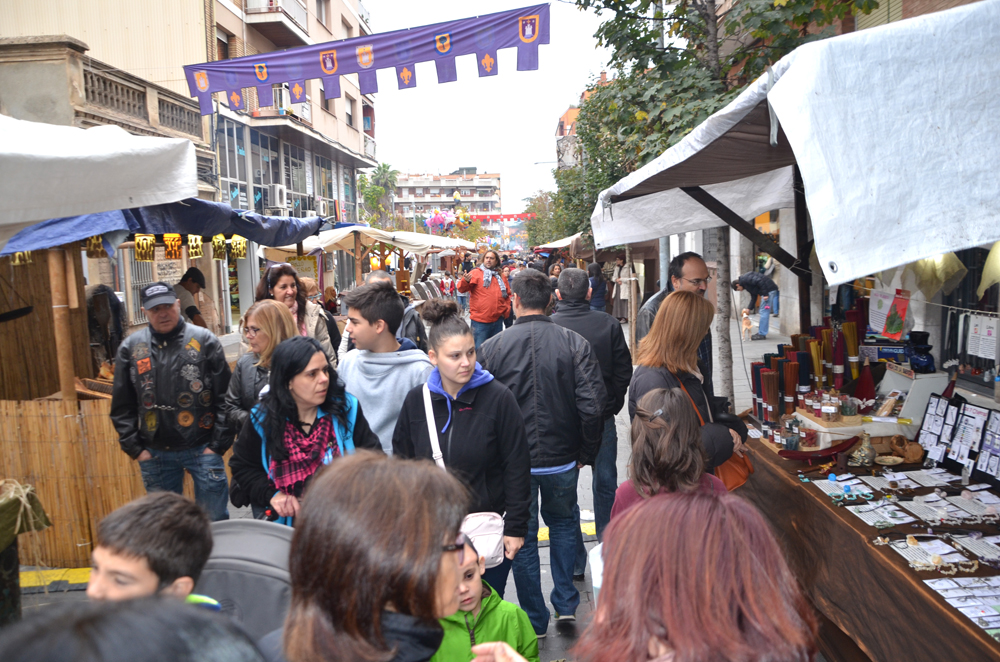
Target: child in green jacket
x,y
483,617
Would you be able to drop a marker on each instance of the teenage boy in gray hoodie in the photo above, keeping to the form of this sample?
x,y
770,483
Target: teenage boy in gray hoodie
x,y
380,371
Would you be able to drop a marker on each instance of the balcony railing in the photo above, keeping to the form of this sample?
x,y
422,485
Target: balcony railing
x,y
369,147
117,95
293,9
126,100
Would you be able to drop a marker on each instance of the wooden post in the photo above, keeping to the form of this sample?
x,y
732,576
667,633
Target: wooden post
x,y
299,251
358,280
60,322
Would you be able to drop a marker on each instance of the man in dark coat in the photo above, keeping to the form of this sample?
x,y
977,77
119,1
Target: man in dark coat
x,y
759,285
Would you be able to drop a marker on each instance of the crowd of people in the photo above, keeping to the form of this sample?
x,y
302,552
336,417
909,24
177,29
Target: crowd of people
x,y
415,461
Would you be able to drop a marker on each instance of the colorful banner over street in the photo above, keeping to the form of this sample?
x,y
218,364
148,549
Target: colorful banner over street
x,y
441,43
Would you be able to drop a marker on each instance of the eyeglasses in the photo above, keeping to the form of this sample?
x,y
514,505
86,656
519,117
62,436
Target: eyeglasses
x,y
459,547
313,297
251,331
698,282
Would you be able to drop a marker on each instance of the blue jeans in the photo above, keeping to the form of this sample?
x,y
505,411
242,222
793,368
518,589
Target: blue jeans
x,y
558,492
483,331
768,306
605,483
496,576
463,302
165,472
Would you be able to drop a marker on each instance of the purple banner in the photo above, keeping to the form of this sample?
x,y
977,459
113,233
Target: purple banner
x,y
482,36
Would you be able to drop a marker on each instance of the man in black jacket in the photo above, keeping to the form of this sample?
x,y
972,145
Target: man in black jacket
x,y
170,380
759,285
557,382
607,341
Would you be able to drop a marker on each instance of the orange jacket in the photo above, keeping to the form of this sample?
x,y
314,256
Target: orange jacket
x,y
486,305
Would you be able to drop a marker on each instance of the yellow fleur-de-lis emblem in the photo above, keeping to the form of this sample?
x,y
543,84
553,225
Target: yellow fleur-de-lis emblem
x,y
406,75
297,91
235,98
488,63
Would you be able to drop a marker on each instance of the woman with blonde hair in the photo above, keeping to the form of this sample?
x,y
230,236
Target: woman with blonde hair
x,y
668,358
264,326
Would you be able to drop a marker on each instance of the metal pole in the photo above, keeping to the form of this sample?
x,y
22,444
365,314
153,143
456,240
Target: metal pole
x,y
803,249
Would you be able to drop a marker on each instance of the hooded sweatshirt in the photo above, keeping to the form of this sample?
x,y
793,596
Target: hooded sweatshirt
x,y
497,621
380,382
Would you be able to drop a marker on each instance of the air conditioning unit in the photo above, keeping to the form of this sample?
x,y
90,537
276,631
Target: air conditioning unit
x,y
310,213
277,195
322,208
273,211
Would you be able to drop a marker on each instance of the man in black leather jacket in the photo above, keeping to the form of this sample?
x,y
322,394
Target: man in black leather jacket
x,y
170,380
607,340
557,382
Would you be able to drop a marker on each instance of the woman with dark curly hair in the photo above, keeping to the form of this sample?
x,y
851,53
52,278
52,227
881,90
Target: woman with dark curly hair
x,y
303,421
281,283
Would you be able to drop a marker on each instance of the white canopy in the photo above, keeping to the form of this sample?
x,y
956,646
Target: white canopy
x,y
343,239
49,171
561,243
894,132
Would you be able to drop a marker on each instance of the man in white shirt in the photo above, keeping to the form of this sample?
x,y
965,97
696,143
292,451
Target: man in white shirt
x,y
191,284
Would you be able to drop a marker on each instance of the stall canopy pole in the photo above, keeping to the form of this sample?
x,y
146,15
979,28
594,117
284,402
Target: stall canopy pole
x,y
60,323
357,259
804,249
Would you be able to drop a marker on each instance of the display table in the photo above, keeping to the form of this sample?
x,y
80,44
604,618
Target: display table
x,y
832,433
867,592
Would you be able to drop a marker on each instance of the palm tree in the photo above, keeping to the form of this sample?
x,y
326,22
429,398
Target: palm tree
x,y
385,176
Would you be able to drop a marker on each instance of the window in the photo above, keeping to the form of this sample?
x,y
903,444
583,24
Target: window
x,y
323,12
348,199
349,110
419,191
368,122
232,163
295,180
465,192
265,166
348,30
326,103
323,181
435,191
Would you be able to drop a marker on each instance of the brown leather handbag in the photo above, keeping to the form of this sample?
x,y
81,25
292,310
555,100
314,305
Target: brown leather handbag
x,y
735,471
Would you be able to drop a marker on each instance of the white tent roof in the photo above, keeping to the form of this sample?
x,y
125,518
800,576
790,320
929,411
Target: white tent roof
x,y
343,239
49,171
894,131
561,243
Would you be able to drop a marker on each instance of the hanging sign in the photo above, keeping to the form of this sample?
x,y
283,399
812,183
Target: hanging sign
x,y
145,247
173,246
95,246
481,37
21,258
238,247
194,246
219,247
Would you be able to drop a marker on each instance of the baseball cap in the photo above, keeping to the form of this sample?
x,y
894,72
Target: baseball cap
x,y
194,273
157,294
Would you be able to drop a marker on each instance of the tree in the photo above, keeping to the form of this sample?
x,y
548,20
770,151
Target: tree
x,y
372,210
541,229
673,69
382,182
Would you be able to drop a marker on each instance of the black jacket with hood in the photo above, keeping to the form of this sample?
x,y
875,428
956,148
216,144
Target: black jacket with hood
x,y
557,382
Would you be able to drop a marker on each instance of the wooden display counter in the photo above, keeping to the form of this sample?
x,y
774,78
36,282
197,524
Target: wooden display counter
x,y
872,604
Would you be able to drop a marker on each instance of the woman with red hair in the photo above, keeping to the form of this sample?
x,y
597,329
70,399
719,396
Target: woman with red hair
x,y
694,577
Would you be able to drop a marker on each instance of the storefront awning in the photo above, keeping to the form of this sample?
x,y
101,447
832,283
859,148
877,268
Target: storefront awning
x,y
192,216
895,143
344,239
49,171
559,243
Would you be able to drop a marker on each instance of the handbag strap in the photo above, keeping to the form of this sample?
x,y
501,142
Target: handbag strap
x,y
696,410
432,429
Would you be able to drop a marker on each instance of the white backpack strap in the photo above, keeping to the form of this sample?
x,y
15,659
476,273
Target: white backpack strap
x,y
432,428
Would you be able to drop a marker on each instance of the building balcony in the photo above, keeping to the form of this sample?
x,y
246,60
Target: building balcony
x,y
284,22
369,147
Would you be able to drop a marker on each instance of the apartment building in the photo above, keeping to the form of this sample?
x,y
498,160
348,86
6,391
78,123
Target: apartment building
x,y
416,196
87,62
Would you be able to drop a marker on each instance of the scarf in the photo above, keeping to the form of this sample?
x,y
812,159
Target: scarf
x,y
479,377
306,454
295,316
488,275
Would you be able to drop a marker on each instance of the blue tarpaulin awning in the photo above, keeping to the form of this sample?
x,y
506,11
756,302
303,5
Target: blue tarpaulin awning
x,y
191,216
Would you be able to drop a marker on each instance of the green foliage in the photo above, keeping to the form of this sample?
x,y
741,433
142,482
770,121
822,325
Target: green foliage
x,y
541,229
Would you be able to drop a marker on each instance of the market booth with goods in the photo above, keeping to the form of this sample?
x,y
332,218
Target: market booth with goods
x,y
877,426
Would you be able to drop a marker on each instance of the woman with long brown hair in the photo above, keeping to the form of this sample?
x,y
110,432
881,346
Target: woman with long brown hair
x,y
374,563
666,451
281,283
696,578
668,358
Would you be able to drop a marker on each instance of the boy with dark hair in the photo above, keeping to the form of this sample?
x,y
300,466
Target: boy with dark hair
x,y
379,373
155,545
483,617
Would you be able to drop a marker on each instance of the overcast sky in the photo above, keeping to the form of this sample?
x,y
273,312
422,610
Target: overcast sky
x,y
503,123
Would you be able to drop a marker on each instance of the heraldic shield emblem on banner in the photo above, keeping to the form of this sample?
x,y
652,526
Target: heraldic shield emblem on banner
x,y
527,28
260,70
328,62
201,80
366,56
443,42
